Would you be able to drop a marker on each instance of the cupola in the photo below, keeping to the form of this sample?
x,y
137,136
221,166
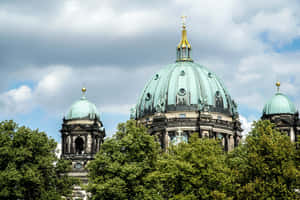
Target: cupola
x,y
279,104
83,109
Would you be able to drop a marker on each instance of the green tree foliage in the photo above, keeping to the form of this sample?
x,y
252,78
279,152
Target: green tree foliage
x,y
27,169
265,165
195,170
131,166
123,162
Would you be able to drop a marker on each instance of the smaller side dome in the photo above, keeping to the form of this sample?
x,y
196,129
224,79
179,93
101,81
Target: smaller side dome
x,y
83,109
279,104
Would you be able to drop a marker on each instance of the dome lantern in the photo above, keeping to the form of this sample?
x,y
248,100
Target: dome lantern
x,y
184,48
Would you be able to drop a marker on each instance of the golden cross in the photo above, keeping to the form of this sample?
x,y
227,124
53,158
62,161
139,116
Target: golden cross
x,y
183,20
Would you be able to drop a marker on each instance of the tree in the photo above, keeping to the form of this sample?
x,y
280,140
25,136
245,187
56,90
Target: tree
x,y
265,165
27,165
123,162
194,170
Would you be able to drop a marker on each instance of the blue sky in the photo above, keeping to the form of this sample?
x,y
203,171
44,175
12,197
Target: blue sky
x,y
51,49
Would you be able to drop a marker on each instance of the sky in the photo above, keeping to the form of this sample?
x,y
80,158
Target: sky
x,y
51,49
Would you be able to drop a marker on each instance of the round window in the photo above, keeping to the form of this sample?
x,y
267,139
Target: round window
x,y
182,92
148,96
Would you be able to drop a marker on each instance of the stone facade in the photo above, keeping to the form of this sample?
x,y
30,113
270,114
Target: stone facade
x,y
81,140
174,127
287,123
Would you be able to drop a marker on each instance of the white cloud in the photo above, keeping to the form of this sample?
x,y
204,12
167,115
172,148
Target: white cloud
x,y
281,27
233,38
117,108
53,86
246,125
114,90
16,101
54,81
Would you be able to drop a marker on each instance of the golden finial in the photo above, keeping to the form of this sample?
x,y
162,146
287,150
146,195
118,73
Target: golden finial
x,y
83,89
183,42
278,85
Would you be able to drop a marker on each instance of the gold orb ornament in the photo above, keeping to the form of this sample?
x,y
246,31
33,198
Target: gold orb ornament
x,y
278,85
83,90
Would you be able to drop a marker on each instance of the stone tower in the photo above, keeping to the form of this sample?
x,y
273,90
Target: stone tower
x,y
282,112
82,134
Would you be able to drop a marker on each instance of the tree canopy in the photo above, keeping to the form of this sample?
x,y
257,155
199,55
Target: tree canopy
x,y
131,166
194,170
267,165
29,168
123,162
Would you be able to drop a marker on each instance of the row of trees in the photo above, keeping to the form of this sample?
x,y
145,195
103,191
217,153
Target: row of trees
x,y
131,165
29,168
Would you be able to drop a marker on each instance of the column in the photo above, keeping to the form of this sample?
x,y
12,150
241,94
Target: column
x,y
292,134
72,145
88,143
231,142
68,144
166,140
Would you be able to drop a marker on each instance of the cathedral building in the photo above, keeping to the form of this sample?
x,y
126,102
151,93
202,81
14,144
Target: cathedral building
x,y
282,112
180,99
186,97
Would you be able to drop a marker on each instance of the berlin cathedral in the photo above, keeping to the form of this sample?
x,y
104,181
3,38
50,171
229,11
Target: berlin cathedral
x,y
180,99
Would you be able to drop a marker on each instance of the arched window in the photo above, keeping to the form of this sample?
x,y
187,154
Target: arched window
x,y
79,144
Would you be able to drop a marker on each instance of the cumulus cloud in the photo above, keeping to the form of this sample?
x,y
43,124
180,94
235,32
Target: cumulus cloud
x,y
113,90
254,82
246,125
113,48
16,101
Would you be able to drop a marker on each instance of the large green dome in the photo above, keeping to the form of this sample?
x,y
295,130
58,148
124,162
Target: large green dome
x,y
83,109
184,86
279,104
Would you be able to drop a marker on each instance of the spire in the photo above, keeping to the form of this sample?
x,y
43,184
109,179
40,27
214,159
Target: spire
x,y
184,48
278,86
83,93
